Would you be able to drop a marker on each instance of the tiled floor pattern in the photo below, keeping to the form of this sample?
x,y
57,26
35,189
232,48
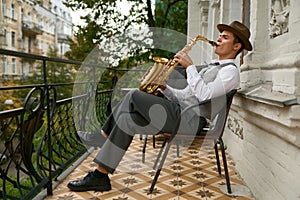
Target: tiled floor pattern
x,y
191,176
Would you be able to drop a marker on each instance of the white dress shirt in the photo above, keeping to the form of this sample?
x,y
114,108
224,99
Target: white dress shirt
x,y
198,89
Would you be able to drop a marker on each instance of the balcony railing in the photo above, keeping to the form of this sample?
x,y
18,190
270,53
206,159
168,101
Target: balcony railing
x,y
39,138
31,28
62,37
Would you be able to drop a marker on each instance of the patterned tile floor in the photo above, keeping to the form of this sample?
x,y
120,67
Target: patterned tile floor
x,y
193,175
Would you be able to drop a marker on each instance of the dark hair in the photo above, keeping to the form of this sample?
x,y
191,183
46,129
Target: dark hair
x,y
238,40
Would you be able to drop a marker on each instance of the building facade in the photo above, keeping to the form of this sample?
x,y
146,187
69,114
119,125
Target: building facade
x,y
263,130
35,27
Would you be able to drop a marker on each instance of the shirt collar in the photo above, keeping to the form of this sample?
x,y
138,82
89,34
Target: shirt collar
x,y
223,61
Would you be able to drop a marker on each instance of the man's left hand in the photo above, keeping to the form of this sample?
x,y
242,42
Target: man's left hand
x,y
183,58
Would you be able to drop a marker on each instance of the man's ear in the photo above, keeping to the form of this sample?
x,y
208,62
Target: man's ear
x,y
237,46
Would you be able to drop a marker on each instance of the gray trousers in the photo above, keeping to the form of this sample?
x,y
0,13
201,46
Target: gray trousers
x,y
140,113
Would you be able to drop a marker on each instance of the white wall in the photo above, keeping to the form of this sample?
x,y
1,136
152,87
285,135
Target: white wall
x,y
263,133
265,146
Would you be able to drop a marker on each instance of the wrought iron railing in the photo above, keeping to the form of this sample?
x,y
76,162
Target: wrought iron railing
x,y
38,139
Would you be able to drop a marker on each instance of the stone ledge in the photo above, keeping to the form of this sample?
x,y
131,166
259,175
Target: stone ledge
x,y
281,120
263,93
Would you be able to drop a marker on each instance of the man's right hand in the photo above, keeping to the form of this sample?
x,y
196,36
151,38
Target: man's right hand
x,y
163,87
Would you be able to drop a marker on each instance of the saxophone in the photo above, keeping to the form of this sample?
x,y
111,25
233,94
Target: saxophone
x,y
156,75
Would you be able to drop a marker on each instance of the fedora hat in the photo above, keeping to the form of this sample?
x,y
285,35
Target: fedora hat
x,y
240,30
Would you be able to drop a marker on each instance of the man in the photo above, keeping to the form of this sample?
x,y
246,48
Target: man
x,y
142,113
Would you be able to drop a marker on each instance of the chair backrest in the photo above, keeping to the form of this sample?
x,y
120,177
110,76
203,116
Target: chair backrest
x,y
219,121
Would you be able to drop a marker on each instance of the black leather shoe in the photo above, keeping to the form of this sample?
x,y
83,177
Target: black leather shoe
x,y
95,139
90,182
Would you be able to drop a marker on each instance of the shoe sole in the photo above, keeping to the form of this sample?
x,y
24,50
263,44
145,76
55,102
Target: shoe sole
x,y
95,188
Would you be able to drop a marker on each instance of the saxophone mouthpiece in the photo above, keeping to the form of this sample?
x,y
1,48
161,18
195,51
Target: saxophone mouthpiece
x,y
213,43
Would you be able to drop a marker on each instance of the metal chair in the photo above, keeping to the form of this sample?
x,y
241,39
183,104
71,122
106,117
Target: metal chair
x,y
213,132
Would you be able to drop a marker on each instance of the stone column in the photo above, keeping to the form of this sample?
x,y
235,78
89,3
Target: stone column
x,y
251,69
294,28
197,25
194,29
213,21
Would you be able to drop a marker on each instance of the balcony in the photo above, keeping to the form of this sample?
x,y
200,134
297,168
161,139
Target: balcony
x,y
62,37
35,51
41,151
31,29
193,175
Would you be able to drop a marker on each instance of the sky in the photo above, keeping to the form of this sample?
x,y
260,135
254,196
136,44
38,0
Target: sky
x,y
76,17
123,5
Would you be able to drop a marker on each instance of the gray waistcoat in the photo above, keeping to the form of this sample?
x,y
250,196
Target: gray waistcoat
x,y
177,79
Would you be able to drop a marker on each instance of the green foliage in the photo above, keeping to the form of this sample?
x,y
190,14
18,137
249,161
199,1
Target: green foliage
x,y
172,15
10,94
84,42
13,191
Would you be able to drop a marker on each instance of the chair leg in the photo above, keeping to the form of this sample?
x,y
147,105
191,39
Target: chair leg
x,y
153,141
144,149
225,166
160,167
159,153
217,157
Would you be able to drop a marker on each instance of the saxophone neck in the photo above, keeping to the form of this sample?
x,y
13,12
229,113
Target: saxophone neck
x,y
189,46
200,37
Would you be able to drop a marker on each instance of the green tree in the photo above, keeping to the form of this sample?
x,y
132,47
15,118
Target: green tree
x,y
84,43
9,94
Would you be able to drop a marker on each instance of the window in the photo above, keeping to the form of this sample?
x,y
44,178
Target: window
x,y
29,44
29,68
46,26
246,13
13,38
246,21
12,11
5,37
47,48
42,45
13,65
61,49
22,68
42,22
22,14
3,7
29,18
4,63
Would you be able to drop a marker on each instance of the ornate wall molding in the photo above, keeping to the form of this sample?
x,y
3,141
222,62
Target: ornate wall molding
x,y
235,126
215,3
279,24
